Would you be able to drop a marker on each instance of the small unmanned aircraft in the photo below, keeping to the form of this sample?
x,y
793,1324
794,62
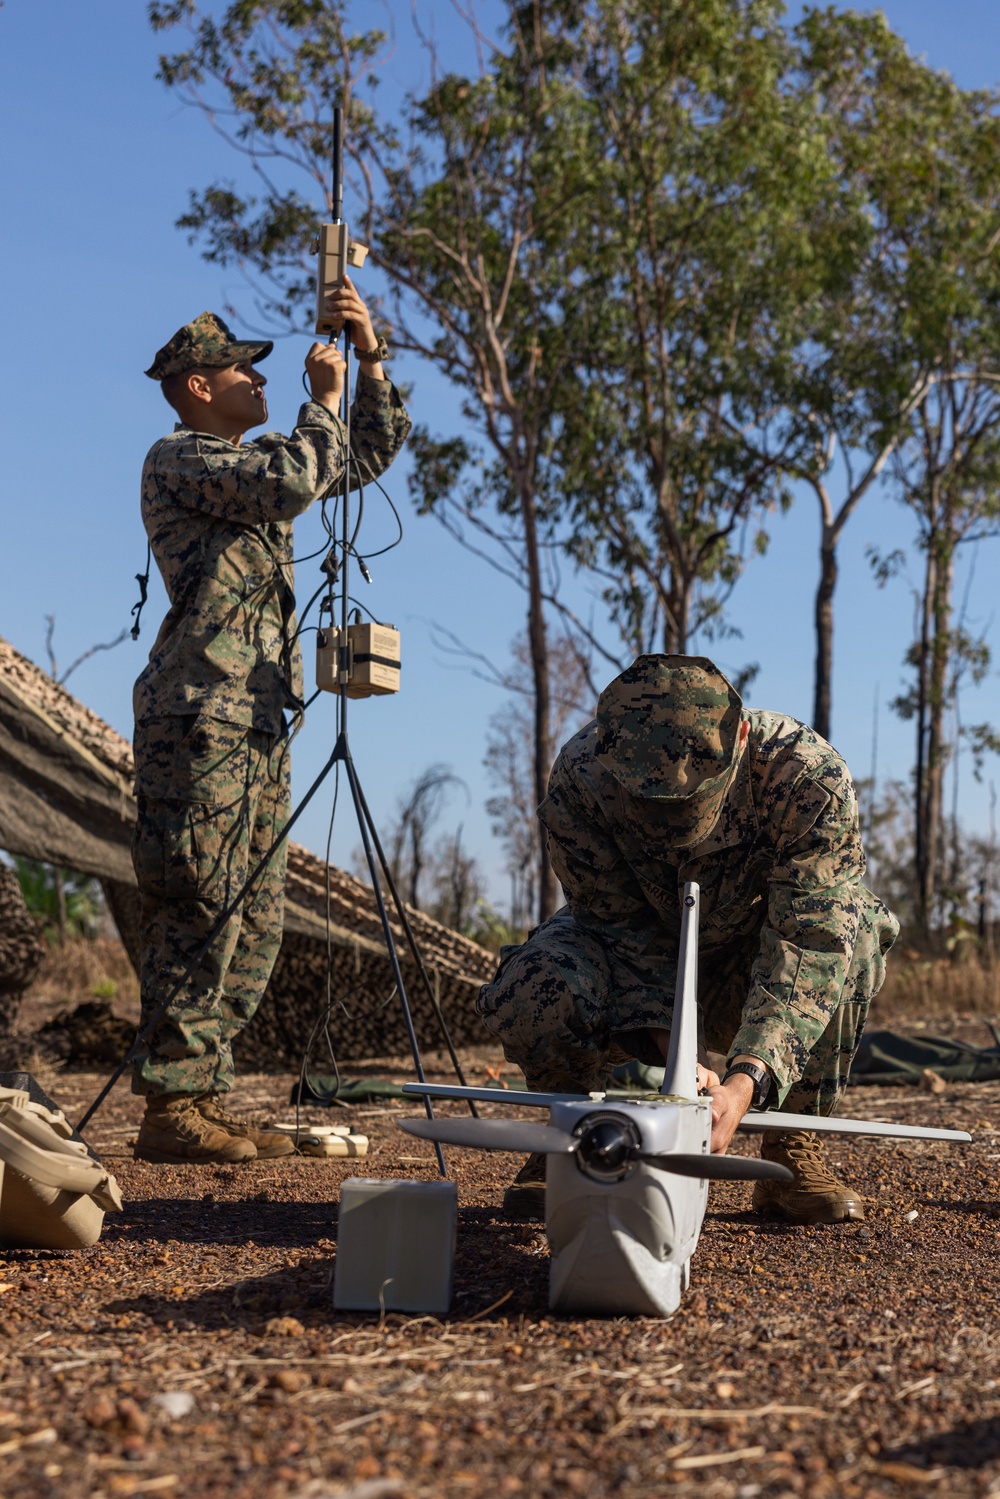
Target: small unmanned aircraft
x,y
627,1180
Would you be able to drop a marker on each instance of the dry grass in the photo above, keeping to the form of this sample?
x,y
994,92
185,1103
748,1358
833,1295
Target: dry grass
x,y
916,987
921,988
79,970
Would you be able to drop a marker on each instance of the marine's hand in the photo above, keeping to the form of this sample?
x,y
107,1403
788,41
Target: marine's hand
x,y
347,306
325,368
730,1102
707,1079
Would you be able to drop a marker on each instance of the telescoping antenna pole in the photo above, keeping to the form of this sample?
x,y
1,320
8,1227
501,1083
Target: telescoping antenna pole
x,y
369,834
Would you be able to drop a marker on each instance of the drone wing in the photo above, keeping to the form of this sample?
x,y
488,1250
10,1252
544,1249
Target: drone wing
x,y
755,1122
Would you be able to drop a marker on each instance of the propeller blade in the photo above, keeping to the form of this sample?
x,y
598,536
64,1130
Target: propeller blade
x,y
719,1168
493,1134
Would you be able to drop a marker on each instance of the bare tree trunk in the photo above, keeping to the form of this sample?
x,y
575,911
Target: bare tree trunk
x,y
539,653
60,903
936,747
677,620
923,836
823,696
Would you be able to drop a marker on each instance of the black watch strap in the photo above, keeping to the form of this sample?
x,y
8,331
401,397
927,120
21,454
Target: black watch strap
x,y
759,1076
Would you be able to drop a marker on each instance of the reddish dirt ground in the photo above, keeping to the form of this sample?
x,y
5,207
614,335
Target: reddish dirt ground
x,y
824,1362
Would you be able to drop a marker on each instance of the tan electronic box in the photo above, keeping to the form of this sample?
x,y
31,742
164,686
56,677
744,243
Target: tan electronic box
x,y
372,660
336,252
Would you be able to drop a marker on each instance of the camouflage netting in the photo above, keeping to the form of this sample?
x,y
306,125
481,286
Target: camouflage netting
x,y
66,797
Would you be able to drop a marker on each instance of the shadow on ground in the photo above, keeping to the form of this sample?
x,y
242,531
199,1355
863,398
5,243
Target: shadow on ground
x,y
971,1444
494,1262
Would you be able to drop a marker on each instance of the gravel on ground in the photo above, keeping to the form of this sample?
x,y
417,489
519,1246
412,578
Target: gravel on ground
x,y
195,1351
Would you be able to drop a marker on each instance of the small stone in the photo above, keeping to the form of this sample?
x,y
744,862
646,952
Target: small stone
x,y
931,1082
133,1419
289,1380
100,1412
283,1327
911,1216
174,1403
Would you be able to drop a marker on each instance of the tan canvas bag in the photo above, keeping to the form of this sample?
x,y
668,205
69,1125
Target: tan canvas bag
x,y
53,1193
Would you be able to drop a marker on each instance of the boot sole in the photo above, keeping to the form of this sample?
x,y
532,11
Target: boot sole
x,y
167,1158
524,1206
855,1213
275,1152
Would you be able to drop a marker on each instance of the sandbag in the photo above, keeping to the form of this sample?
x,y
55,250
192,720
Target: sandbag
x,y
53,1192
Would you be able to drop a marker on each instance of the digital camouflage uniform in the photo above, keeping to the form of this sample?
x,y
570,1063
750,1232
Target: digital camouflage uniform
x,y
212,774
792,945
21,949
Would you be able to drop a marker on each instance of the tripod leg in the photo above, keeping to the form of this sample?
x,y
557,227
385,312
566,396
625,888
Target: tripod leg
x,y
352,778
415,952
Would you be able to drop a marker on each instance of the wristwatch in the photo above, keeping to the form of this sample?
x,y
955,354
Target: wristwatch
x,y
375,355
759,1076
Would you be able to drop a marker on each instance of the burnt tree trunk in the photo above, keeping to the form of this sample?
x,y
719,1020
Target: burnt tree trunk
x,y
823,694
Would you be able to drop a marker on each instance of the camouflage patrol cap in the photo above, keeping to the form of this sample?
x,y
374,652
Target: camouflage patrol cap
x,y
668,731
206,343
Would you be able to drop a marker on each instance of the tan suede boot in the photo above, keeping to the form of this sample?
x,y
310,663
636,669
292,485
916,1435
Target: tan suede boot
x,y
174,1132
815,1196
267,1142
524,1199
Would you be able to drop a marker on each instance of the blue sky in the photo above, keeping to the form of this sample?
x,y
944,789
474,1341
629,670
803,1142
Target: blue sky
x,y
97,165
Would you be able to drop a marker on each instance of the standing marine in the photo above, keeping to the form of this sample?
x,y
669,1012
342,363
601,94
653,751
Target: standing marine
x,y
675,781
212,707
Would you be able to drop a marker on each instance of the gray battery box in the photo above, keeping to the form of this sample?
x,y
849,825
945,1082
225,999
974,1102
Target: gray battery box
x,y
395,1245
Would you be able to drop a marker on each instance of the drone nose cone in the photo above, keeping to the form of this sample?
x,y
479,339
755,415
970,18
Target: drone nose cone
x,y
606,1150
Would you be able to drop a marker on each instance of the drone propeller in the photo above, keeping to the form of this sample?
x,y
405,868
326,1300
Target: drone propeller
x,y
717,1168
493,1134
604,1148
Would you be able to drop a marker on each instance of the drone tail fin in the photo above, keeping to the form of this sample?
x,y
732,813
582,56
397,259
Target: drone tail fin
x,y
680,1077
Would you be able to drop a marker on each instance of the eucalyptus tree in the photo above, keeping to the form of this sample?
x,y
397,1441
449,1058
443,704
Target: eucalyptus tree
x,y
902,355
905,371
715,227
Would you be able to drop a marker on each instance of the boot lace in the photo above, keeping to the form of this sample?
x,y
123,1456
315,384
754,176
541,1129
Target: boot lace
x,y
805,1154
214,1110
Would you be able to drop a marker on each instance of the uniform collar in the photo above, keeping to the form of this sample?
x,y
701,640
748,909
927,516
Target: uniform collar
x,y
205,436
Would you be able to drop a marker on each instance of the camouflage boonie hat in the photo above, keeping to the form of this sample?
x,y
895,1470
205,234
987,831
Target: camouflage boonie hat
x,y
668,731
207,343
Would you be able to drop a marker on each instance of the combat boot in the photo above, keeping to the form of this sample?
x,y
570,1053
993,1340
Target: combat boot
x,y
268,1143
174,1132
524,1199
815,1196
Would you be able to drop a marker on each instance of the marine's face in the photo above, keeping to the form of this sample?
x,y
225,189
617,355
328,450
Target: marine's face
x,y
236,395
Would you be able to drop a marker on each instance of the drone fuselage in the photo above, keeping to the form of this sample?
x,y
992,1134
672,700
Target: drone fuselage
x,y
622,1237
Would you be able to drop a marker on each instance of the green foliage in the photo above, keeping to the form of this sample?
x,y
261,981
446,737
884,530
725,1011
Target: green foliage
x,y
710,240
84,902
